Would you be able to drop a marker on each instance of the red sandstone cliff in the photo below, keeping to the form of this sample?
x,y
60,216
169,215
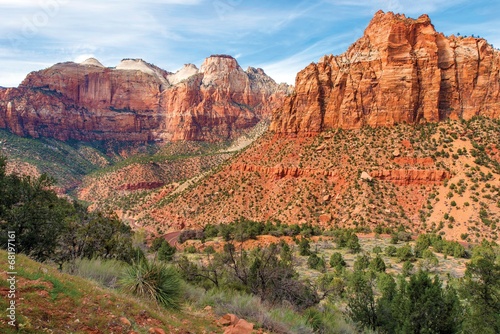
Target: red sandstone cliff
x,y
401,70
137,101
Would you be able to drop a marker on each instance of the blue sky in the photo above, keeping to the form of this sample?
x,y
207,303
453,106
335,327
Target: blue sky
x,y
280,36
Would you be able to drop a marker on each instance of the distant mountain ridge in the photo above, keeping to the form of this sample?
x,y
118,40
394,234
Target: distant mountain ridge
x,y
137,101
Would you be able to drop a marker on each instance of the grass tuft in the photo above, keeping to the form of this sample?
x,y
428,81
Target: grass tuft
x,y
104,272
153,280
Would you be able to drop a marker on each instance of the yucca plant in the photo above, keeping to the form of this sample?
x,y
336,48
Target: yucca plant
x,y
153,280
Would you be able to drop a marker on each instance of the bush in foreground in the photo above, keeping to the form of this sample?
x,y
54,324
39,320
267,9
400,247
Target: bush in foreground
x,y
153,280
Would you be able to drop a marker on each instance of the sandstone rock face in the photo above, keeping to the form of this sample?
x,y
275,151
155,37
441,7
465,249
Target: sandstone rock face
x,y
401,70
280,171
137,101
406,177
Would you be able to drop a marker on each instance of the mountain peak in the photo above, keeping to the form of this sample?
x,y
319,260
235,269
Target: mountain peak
x,y
185,72
222,56
392,17
217,64
135,65
400,71
124,104
92,62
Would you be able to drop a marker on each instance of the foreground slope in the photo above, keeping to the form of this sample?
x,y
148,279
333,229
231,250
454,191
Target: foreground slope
x,y
49,301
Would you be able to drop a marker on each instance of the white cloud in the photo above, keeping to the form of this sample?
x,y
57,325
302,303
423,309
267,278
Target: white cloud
x,y
170,33
82,58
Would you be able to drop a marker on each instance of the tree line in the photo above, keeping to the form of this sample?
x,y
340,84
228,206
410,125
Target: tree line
x,y
49,227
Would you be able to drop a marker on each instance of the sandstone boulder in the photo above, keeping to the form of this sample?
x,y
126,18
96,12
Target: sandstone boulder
x,y
125,322
365,176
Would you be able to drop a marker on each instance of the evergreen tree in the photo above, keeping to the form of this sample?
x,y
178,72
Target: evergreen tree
x,y
304,247
481,288
337,261
423,306
377,264
166,252
361,306
31,209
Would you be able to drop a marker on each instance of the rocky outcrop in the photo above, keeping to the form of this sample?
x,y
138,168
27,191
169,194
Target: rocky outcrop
x,y
281,171
401,70
235,325
405,177
141,186
428,161
137,101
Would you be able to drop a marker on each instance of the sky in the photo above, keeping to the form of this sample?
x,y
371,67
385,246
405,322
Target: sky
x,y
282,37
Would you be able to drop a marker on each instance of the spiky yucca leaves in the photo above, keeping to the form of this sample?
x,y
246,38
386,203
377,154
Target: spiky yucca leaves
x,y
153,280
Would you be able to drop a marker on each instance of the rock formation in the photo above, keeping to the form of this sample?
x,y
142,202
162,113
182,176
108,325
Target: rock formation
x,y
406,177
280,171
401,70
137,101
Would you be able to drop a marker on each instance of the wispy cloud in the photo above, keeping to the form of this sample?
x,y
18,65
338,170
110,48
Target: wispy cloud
x,y
285,70
280,36
402,6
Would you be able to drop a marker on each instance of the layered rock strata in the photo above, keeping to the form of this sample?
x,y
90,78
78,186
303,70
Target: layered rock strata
x,y
137,101
401,70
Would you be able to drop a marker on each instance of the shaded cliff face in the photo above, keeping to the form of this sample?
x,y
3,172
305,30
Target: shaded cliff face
x,y
401,70
137,101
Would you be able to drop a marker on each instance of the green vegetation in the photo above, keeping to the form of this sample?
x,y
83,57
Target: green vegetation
x,y
481,288
152,280
243,229
165,250
337,261
389,292
67,162
420,305
55,302
52,228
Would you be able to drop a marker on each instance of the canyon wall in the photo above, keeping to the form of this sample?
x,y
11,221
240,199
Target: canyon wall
x,y
401,70
137,101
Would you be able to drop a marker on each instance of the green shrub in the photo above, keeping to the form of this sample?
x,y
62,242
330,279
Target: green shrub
x,y
361,263
156,244
166,252
190,249
390,251
347,238
377,264
407,269
304,247
404,253
209,250
153,280
316,262
336,260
